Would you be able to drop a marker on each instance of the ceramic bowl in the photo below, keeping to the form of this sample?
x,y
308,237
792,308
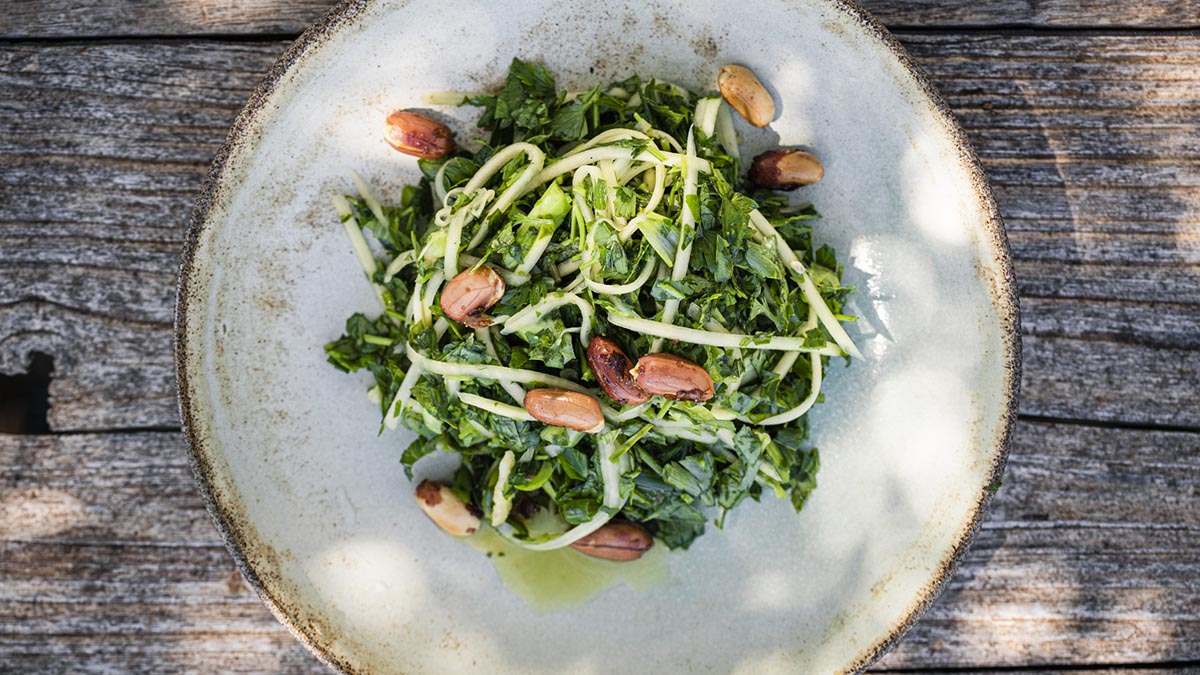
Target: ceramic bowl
x,y
314,504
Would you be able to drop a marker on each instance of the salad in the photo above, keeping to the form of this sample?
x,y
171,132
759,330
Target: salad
x,y
617,333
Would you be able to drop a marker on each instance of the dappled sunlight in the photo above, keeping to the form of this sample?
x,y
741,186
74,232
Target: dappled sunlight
x,y
1120,204
366,587
939,199
381,594
35,512
364,572
924,407
866,257
363,91
893,268
379,578
800,82
769,589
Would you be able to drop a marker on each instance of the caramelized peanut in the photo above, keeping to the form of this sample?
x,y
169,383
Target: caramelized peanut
x,y
612,367
785,169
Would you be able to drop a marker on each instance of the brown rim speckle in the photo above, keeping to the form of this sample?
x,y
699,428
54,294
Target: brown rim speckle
x,y
1004,295
238,534
234,530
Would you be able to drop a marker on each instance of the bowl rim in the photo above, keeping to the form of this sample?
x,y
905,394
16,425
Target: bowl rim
x,y
230,525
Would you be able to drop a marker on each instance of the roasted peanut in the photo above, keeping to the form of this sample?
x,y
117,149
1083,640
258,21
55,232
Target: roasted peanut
x,y
616,541
785,169
445,509
562,408
470,294
612,367
745,94
417,135
673,377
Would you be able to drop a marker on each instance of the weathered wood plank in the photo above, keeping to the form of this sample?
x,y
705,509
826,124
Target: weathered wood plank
x,y
1132,669
109,373
1089,141
1100,380
1148,324
1086,558
1098,356
1083,514
73,18
185,654
132,487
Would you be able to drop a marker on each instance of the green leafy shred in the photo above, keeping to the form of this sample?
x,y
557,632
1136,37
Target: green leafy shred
x,y
673,466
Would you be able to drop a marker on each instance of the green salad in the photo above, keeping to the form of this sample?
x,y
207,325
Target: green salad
x,y
616,333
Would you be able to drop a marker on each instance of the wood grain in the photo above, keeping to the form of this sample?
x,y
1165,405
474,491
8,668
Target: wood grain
x,y
71,18
1089,141
75,18
1131,669
105,546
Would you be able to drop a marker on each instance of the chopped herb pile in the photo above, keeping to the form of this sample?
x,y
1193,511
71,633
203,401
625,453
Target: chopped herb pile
x,y
617,211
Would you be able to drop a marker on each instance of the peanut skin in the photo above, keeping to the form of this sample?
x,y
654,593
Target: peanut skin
x,y
744,92
445,509
673,377
621,542
785,169
417,135
470,294
562,408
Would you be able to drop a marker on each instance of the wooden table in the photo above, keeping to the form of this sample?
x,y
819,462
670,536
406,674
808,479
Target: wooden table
x,y
1086,114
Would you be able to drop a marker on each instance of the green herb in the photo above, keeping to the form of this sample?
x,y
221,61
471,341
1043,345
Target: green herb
x,y
583,252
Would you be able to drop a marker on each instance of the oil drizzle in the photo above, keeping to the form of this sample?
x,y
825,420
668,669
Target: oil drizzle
x,y
549,581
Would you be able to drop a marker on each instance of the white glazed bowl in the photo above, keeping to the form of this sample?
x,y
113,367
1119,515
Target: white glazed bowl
x,y
315,506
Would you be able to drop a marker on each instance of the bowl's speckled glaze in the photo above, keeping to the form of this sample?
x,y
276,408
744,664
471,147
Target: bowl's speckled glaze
x,y
314,505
